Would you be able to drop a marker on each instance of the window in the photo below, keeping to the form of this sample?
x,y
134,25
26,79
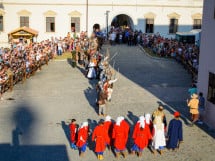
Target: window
x,y
211,88
173,26
50,24
1,23
75,24
24,21
149,25
197,24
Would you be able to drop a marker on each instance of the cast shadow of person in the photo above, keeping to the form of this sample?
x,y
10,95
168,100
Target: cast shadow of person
x,y
91,96
24,119
133,120
82,70
92,124
66,130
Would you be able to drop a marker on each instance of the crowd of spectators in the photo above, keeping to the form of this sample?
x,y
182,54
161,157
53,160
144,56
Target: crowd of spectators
x,y
185,53
21,59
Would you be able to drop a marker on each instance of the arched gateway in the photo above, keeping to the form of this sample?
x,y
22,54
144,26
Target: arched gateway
x,y
122,21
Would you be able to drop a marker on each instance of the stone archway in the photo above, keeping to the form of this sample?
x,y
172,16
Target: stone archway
x,y
123,21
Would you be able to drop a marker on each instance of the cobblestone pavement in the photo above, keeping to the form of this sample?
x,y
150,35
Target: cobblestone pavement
x,y
35,115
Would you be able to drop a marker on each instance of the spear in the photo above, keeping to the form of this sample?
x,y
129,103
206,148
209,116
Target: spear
x,y
114,55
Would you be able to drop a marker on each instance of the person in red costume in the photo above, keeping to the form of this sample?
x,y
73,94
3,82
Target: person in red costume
x,y
149,123
108,125
73,134
141,136
82,138
99,136
120,136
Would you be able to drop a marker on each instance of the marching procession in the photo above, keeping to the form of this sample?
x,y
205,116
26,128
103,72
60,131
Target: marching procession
x,y
150,131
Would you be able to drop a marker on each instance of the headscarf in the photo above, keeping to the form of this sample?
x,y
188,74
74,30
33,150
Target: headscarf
x,y
142,121
107,118
84,124
148,118
119,120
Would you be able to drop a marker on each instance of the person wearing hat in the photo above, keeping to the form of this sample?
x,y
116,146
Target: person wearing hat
x,y
100,137
193,104
82,138
175,132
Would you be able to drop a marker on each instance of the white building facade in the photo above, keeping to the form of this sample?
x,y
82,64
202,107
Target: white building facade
x,y
58,17
206,75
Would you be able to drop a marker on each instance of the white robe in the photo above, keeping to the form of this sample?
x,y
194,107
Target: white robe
x,y
91,72
159,137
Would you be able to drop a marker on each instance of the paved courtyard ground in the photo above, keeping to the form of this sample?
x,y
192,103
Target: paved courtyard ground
x,y
34,117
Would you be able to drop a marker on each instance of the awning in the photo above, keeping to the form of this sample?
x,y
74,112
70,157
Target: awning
x,y
24,32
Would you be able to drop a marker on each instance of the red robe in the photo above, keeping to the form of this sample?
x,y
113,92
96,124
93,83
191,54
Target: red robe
x,y
126,128
108,125
100,137
72,128
141,137
120,135
82,136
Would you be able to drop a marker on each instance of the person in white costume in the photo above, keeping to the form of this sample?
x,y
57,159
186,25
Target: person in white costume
x,y
158,139
91,70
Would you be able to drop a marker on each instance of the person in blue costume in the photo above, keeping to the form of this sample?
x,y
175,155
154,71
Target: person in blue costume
x,y
175,132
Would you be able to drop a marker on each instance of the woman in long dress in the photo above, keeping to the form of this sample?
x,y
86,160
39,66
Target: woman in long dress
x,y
91,70
158,133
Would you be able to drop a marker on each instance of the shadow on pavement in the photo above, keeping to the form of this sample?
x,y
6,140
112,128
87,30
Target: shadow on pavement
x,y
20,150
165,79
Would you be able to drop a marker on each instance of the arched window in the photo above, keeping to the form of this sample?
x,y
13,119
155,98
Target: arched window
x,y
173,22
50,21
149,19
24,18
75,21
2,19
197,21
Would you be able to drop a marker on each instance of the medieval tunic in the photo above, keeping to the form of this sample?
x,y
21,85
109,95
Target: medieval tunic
x,y
194,104
100,137
141,136
175,133
108,126
120,135
72,128
158,141
82,138
126,128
